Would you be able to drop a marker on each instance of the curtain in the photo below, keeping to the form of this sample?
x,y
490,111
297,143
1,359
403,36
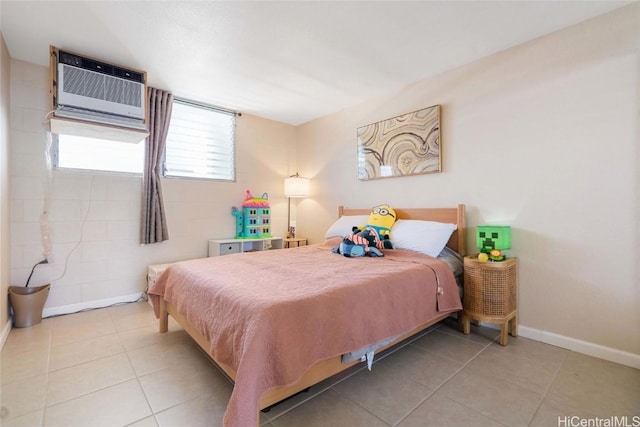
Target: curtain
x,y
153,221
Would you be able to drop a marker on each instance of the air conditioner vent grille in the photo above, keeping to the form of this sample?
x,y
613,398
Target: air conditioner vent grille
x,y
99,86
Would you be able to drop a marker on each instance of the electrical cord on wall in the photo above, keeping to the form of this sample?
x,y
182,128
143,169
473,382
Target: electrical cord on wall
x,y
84,220
45,231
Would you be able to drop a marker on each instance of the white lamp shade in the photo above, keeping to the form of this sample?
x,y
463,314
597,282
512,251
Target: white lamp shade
x,y
296,186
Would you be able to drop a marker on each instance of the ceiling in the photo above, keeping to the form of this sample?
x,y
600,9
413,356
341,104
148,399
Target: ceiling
x,y
286,61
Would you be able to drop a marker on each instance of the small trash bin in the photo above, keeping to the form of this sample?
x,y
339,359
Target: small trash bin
x,y
27,304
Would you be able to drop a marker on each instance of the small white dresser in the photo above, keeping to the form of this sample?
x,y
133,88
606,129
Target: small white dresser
x,y
219,247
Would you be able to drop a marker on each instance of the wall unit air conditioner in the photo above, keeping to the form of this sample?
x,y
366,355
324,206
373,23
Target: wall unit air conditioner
x,y
88,90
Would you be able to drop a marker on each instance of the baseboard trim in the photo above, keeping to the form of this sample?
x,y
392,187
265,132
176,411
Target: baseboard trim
x,y
591,349
5,333
89,305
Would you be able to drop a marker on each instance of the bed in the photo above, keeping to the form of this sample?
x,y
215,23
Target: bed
x,y
277,322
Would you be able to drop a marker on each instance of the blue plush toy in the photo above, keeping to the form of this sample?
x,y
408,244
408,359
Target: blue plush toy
x,y
371,238
362,243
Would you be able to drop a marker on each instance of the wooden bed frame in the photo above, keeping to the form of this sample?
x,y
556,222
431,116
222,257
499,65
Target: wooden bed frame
x,y
329,367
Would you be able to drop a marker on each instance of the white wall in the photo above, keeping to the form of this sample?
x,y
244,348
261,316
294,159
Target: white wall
x,y
94,218
5,256
543,137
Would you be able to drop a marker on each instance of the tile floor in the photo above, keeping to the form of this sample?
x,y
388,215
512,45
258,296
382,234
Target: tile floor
x,y
109,367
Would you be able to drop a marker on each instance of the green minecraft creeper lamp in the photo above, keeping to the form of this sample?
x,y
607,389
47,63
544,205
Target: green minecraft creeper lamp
x,y
492,240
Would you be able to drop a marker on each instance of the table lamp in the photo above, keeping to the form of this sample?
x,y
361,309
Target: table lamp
x,y
492,240
298,187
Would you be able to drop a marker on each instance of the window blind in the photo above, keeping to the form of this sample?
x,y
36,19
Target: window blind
x,y
200,142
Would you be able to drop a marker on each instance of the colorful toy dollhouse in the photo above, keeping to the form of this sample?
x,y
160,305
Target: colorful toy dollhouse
x,y
254,220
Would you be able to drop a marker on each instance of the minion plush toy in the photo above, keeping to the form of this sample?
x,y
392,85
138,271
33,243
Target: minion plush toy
x,y
381,220
371,238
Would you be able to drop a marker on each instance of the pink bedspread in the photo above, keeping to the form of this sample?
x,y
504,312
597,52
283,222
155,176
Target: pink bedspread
x,y
272,315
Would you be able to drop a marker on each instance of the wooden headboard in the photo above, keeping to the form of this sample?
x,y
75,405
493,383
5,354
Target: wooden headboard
x,y
453,215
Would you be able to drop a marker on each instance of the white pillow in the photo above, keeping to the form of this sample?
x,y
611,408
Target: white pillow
x,y
343,226
427,237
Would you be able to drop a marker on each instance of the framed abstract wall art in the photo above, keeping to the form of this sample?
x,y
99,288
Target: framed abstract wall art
x,y
405,145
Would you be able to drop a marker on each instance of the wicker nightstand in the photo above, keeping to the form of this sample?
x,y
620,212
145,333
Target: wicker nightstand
x,y
491,294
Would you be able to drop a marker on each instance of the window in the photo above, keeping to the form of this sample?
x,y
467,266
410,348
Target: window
x,y
78,152
200,142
